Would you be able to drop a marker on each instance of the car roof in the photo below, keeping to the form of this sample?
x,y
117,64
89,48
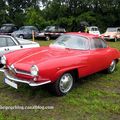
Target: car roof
x,y
87,35
8,24
113,27
28,26
92,27
5,36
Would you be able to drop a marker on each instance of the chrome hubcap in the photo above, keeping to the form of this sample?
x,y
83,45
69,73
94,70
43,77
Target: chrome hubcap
x,y
112,66
21,36
66,83
47,38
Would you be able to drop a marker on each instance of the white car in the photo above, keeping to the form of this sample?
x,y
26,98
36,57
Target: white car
x,y
93,30
9,43
112,33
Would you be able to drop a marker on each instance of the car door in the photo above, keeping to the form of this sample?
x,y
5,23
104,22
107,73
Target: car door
x,y
3,46
7,44
99,55
27,33
12,44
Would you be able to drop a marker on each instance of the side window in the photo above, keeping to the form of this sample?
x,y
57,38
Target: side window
x,y
10,42
52,29
104,44
3,42
98,43
15,28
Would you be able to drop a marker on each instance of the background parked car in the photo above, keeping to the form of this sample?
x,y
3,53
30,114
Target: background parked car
x,y
8,29
51,32
112,33
93,30
9,43
25,32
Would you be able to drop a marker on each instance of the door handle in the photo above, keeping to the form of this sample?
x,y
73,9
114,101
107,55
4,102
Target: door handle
x,y
6,49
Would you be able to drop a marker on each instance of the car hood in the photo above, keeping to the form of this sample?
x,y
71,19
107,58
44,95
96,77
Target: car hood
x,y
37,56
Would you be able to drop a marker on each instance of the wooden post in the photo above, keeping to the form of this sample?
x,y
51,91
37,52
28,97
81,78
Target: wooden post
x,y
33,35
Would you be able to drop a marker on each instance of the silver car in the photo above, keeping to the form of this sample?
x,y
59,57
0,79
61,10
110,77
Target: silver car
x,y
25,32
9,43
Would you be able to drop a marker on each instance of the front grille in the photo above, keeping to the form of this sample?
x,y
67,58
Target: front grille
x,y
23,72
18,71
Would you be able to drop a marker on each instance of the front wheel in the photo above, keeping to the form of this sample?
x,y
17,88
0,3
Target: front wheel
x,y
63,85
112,67
21,36
47,38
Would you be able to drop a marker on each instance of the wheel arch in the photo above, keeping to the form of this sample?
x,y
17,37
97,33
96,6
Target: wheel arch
x,y
117,60
73,71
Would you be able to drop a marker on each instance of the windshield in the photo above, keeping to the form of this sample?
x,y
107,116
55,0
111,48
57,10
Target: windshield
x,y
111,29
72,42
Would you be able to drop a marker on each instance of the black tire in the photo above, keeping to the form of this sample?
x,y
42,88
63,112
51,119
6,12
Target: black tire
x,y
47,38
21,36
112,67
1,65
63,85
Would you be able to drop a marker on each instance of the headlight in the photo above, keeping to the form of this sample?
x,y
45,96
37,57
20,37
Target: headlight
x,y
3,60
34,70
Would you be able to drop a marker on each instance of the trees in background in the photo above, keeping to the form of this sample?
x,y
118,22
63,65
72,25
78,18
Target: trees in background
x,y
66,13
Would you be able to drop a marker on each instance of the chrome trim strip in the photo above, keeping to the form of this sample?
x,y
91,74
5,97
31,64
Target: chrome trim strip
x,y
8,76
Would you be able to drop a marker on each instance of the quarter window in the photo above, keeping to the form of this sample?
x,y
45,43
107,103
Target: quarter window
x,y
98,43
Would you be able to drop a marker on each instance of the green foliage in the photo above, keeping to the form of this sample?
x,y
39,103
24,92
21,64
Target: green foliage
x,y
66,13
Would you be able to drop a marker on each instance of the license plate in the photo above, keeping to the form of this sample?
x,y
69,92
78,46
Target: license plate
x,y
11,83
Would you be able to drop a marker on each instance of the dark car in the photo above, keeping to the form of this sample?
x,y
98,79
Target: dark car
x,y
8,29
51,32
25,32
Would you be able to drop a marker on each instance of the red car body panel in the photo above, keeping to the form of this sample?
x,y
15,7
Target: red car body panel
x,y
52,62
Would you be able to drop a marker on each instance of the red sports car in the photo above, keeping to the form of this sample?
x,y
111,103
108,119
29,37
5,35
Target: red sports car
x,y
71,56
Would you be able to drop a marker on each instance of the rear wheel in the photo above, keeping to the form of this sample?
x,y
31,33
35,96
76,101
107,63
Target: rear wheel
x,y
47,38
112,67
64,84
21,36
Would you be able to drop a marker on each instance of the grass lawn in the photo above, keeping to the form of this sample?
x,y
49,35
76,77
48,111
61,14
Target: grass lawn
x,y
97,97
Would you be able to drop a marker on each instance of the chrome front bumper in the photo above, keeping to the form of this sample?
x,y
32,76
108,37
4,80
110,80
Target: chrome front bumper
x,y
30,83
